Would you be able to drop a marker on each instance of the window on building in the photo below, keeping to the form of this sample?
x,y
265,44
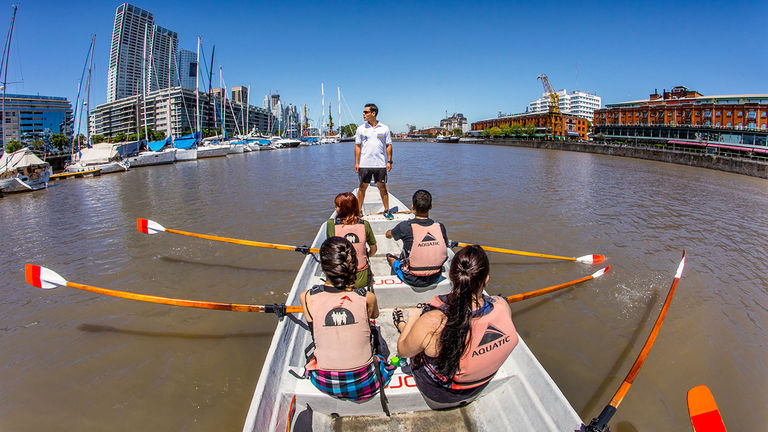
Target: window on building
x,y
707,113
751,114
718,124
729,124
717,113
741,113
728,114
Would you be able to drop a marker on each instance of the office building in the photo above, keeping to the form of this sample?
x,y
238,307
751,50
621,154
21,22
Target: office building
x,y
562,126
142,56
456,121
176,115
187,69
577,103
240,94
29,118
682,115
161,53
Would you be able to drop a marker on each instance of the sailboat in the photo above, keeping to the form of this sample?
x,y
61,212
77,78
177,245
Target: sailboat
x,y
210,146
102,157
20,171
156,153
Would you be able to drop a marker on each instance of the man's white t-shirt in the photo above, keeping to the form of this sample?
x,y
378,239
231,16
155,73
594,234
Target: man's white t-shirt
x,y
373,141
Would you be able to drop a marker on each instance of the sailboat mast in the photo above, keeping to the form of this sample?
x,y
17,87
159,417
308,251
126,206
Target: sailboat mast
x,y
144,82
5,72
88,96
338,119
322,114
171,53
247,109
197,88
223,98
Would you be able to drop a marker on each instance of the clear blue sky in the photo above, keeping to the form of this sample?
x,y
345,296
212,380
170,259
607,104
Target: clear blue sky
x,y
417,60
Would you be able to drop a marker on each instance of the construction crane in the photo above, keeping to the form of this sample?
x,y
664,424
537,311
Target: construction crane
x,y
554,99
555,118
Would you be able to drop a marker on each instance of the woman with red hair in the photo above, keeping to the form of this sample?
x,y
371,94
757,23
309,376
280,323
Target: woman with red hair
x,y
349,225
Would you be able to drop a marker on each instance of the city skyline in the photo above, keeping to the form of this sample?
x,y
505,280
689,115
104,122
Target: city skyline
x,y
421,60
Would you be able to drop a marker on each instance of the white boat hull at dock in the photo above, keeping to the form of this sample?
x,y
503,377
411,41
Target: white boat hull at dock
x,y
147,158
208,151
186,154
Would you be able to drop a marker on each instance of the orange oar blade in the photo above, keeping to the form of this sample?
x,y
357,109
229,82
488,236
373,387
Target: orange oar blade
x,y
148,226
705,417
42,277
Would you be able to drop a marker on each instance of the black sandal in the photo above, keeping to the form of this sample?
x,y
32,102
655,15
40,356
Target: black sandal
x,y
397,318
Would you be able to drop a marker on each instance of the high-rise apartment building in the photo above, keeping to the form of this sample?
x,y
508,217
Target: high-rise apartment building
x,y
240,94
126,54
578,103
187,68
161,55
142,54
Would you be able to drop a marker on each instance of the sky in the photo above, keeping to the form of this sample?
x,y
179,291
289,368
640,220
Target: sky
x,y
415,60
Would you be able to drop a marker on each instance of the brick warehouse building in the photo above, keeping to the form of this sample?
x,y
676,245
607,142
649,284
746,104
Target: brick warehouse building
x,y
685,116
565,125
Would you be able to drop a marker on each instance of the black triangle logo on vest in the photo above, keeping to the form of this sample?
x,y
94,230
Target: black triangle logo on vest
x,y
428,238
491,334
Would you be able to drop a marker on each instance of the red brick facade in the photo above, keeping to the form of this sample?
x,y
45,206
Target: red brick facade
x,y
543,122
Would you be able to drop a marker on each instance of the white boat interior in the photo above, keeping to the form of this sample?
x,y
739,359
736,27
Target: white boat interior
x,y
521,396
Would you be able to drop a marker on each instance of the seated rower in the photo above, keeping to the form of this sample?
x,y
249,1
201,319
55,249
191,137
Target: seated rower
x,y
424,245
357,231
460,340
343,365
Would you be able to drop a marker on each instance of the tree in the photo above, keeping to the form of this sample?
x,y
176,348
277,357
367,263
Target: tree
x,y
98,139
529,130
495,131
159,135
131,137
349,130
506,130
517,129
486,132
59,141
120,137
457,132
37,144
12,146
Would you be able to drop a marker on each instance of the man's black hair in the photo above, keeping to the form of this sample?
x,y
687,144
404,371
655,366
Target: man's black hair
x,y
422,201
373,108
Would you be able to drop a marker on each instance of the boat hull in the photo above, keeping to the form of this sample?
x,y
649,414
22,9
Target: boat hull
x,y
107,168
19,182
186,154
212,151
521,397
148,158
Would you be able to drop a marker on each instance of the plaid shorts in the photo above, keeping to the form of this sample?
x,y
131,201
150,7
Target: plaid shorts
x,y
356,385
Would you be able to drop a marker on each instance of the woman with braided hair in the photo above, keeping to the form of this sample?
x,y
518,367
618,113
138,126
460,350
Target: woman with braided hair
x,y
459,340
343,364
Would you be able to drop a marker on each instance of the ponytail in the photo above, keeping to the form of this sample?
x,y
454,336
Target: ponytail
x,y
468,273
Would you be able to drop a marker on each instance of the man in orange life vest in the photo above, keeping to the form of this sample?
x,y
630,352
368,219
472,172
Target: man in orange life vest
x,y
424,245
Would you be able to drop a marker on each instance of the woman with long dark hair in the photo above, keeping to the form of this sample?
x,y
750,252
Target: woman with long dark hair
x,y
349,225
343,364
459,340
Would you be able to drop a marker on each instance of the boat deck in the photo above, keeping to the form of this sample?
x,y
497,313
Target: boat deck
x,y
521,397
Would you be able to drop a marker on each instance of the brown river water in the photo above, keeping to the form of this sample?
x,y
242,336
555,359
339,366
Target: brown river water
x,y
78,361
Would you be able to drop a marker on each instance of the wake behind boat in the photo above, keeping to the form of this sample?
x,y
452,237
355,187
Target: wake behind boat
x,y
521,396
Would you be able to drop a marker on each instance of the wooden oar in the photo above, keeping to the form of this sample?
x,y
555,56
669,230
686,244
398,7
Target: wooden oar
x,y
45,278
599,423
547,290
396,210
151,227
589,259
705,417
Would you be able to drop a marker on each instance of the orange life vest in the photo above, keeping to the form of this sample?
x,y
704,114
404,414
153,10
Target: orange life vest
x,y
355,233
340,329
429,251
491,340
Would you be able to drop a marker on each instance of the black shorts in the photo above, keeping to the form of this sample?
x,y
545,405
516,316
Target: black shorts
x,y
378,175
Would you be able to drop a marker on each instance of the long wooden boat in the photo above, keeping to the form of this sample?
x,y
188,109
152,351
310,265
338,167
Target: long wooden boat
x,y
521,397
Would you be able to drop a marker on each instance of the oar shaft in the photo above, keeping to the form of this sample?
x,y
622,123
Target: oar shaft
x,y
237,241
523,253
179,302
547,290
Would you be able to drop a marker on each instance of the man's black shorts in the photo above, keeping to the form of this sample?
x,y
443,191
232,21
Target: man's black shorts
x,y
379,175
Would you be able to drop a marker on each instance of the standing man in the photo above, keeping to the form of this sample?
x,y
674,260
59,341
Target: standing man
x,y
373,156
